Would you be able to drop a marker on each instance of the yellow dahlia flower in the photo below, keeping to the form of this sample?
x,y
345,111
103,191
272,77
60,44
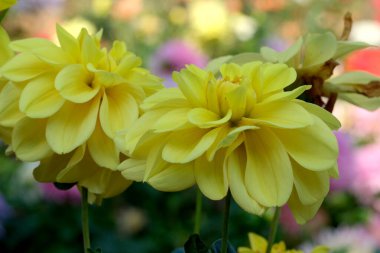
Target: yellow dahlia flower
x,y
9,113
240,132
74,98
258,244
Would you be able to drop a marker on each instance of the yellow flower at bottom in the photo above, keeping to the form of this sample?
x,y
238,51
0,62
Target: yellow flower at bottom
x,y
258,244
240,132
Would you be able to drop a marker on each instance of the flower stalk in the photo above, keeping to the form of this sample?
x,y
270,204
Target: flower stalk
x,y
85,226
198,212
273,229
226,215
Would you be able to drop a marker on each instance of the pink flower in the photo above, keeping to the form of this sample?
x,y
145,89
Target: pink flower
x,y
346,163
367,182
173,56
51,193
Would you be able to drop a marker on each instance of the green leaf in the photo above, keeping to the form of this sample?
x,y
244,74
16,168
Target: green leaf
x,y
362,101
195,245
354,77
288,56
215,64
346,47
245,58
319,48
270,54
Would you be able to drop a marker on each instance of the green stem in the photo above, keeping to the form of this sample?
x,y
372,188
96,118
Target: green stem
x,y
3,14
85,226
198,212
273,229
227,202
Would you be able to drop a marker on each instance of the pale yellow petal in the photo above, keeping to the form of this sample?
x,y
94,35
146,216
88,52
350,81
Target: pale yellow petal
x,y
236,163
90,52
133,169
175,177
68,43
276,77
204,118
237,100
281,115
174,119
5,52
118,110
71,126
302,213
186,145
9,105
24,66
193,84
257,242
28,140
311,186
39,98
286,95
102,149
75,84
268,175
128,62
211,177
44,49
167,98
314,147
324,115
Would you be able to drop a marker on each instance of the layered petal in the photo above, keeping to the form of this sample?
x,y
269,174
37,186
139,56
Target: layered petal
x,y
211,177
9,105
118,110
302,213
314,147
175,177
71,126
28,140
39,98
268,174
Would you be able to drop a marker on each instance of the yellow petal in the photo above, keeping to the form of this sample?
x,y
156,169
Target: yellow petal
x,y
142,78
311,186
28,140
245,250
192,81
133,169
71,126
128,62
105,183
324,115
211,98
79,166
286,95
314,147
75,84
39,98
118,110
90,52
302,213
204,118
268,175
49,168
118,50
186,145
281,115
68,43
211,177
24,66
174,119
9,105
258,243
277,76
102,149
175,177
5,52
237,100
44,49
236,163
168,98
230,71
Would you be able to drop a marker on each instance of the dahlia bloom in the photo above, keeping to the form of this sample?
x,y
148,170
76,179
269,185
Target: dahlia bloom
x,y
8,113
74,99
258,244
240,132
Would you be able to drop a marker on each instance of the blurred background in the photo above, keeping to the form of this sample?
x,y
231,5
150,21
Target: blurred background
x,y
167,35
